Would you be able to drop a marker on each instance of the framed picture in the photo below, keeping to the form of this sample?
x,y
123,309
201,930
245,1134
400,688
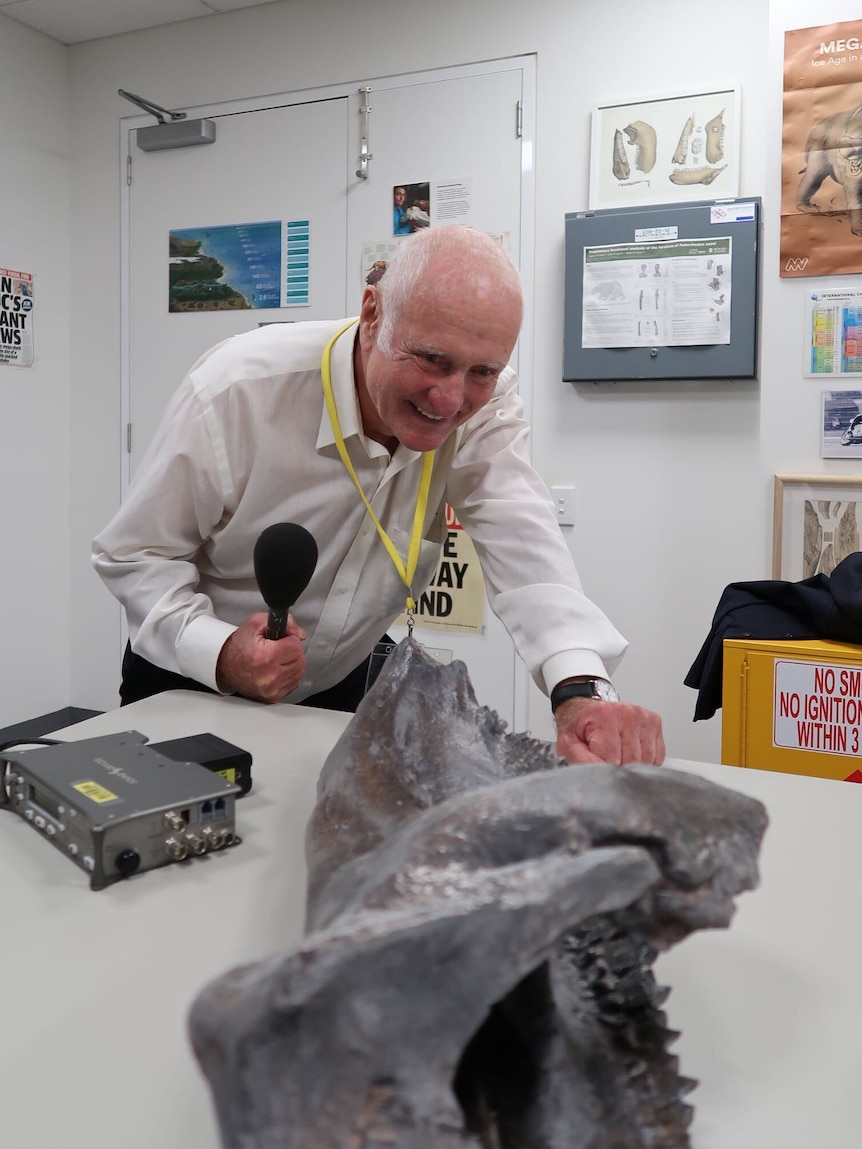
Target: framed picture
x,y
842,425
817,523
665,149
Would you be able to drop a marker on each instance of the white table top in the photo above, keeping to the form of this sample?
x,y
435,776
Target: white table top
x,y
93,1050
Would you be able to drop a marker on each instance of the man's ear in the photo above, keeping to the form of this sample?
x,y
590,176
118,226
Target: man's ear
x,y
370,313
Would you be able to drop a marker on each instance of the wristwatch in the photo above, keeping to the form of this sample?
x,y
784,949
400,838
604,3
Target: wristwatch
x,y
587,688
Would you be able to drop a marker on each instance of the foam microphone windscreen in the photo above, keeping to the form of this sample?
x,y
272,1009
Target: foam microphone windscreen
x,y
285,556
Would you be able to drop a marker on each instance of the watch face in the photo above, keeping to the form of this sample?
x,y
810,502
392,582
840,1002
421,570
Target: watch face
x,y
604,690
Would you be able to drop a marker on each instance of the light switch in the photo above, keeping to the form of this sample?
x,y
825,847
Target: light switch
x,y
564,505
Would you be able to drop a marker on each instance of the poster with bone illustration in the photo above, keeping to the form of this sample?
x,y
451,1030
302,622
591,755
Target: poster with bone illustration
x,y
821,154
668,149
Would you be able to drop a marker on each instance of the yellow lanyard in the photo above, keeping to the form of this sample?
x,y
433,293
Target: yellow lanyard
x,y
405,572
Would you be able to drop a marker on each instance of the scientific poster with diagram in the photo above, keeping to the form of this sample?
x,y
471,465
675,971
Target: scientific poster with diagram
x,y
16,318
673,293
821,164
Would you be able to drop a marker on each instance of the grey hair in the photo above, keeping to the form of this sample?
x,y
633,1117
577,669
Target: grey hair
x,y
465,248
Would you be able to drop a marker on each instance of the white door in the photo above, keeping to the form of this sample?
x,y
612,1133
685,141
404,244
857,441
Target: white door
x,y
274,164
299,161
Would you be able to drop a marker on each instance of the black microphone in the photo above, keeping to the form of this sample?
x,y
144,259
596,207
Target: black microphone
x,y
285,556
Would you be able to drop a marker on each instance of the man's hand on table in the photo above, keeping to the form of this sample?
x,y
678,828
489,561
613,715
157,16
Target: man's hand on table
x,y
591,730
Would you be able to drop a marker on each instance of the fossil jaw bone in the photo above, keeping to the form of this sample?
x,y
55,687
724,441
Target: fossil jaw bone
x,y
715,138
642,136
685,176
482,920
679,156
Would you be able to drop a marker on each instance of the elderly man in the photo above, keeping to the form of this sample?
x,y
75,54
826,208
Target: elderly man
x,y
361,431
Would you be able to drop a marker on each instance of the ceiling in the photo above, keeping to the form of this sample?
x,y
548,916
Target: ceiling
x,y
74,21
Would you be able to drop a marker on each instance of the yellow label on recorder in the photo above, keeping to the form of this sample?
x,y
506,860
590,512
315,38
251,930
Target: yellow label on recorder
x,y
95,792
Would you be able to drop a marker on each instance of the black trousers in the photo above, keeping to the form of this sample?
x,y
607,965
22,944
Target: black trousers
x,y
142,679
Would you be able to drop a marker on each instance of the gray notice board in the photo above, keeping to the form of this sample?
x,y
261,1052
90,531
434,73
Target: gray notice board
x,y
654,227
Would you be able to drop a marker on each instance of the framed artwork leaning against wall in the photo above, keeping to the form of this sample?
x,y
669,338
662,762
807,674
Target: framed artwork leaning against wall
x,y
817,522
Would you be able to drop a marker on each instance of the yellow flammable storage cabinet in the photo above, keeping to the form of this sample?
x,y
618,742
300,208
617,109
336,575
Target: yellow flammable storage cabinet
x,y
793,706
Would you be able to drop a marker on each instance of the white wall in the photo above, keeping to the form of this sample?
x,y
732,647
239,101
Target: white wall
x,y
673,480
34,456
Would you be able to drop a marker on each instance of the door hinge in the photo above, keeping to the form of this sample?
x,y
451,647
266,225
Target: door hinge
x,y
519,120
128,438
128,170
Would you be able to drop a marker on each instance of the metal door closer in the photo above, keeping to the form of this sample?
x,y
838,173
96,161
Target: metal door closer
x,y
117,806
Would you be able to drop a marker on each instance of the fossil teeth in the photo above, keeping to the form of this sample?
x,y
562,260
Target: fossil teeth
x,y
679,156
621,168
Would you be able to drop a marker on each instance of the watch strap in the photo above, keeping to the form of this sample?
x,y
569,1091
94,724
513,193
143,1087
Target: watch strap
x,y
598,688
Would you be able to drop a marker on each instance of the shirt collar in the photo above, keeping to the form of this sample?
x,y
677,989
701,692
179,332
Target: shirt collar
x,y
347,404
343,389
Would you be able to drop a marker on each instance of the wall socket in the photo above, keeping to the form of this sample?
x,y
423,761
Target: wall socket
x,y
564,505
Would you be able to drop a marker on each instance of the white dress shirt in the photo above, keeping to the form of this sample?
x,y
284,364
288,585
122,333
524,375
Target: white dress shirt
x,y
246,442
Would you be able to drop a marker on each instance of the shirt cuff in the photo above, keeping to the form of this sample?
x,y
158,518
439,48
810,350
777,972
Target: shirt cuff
x,y
570,664
199,647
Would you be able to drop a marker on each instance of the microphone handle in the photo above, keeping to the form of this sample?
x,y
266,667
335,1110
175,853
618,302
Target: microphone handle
x,y
276,625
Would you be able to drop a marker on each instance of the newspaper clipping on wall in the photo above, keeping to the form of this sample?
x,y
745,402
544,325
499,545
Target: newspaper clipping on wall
x,y
16,318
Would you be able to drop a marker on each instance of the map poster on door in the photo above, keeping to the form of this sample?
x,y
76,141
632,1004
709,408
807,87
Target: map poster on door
x,y
455,598
16,318
239,266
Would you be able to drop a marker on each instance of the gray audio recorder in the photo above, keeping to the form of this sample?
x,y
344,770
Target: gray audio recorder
x,y
116,807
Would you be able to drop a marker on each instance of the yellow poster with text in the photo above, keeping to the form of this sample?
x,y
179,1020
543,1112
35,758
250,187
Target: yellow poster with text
x,y
455,598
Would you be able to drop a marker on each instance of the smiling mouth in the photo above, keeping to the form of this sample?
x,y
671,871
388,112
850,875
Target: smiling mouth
x,y
427,414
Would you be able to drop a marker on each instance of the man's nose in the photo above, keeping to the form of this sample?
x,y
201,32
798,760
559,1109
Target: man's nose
x,y
447,395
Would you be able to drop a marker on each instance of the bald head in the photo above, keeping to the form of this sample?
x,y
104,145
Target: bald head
x,y
447,262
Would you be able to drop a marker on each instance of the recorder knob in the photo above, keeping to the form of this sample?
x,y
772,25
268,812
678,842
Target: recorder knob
x,y
128,861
